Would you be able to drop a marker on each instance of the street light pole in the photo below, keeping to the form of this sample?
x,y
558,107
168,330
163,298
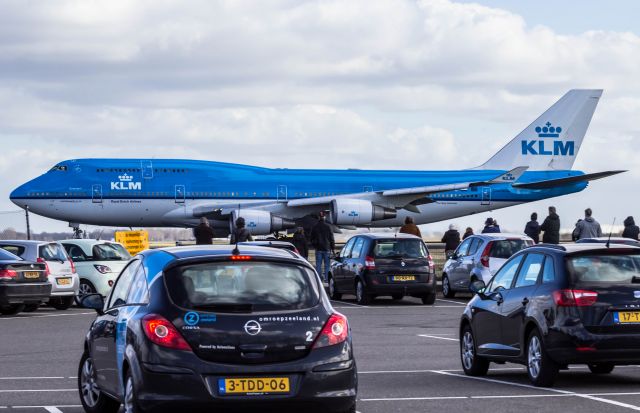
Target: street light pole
x,y
26,213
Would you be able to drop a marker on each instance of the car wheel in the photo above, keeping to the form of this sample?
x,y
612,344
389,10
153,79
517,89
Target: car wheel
x,y
86,288
30,308
601,368
351,409
12,309
62,303
397,296
472,364
446,288
429,299
130,399
541,369
333,293
92,399
362,297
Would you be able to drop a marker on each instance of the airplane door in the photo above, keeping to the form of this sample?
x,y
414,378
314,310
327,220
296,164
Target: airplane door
x,y
486,196
180,194
282,193
96,193
147,169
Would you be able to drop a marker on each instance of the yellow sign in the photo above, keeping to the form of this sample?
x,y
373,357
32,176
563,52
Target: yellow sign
x,y
133,241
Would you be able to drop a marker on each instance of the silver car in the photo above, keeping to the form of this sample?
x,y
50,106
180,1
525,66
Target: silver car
x,y
59,267
479,257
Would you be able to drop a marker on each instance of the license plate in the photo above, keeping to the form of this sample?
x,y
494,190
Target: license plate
x,y
623,317
31,274
63,281
262,385
404,278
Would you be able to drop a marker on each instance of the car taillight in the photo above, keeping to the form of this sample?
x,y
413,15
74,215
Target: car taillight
x,y
240,258
335,331
102,269
73,266
46,265
484,258
369,263
161,332
574,298
432,265
8,274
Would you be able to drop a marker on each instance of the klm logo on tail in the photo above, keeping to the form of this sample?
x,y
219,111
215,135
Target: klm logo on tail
x,y
544,146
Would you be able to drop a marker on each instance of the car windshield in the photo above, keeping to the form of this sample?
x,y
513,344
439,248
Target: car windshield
x,y
7,256
52,252
247,286
110,252
400,248
605,268
507,247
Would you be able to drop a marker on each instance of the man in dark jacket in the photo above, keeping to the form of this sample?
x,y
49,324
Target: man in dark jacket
x,y
203,232
588,227
631,230
240,233
410,227
551,227
324,243
490,227
532,229
300,242
451,240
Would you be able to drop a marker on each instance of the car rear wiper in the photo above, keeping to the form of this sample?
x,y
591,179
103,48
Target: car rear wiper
x,y
635,280
226,307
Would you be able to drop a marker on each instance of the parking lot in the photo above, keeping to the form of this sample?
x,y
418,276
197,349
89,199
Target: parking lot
x,y
407,356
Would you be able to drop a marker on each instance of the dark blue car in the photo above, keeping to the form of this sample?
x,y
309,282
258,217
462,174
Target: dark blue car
x,y
207,327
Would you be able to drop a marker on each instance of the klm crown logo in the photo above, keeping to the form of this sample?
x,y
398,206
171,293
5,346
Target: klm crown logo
x,y
125,182
125,178
544,146
548,131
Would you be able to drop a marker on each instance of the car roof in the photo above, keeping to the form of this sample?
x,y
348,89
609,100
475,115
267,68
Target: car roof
x,y
84,241
25,242
606,239
267,243
386,235
575,248
222,250
502,235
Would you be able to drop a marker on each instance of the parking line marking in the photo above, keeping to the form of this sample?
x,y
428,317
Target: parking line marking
x,y
439,338
52,409
350,304
507,396
394,371
37,391
42,316
451,301
397,399
32,378
44,407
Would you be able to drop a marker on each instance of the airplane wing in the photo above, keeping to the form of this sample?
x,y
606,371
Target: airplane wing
x,y
552,183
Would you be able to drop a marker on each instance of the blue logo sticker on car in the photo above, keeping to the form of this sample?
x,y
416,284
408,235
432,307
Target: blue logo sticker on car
x,y
192,318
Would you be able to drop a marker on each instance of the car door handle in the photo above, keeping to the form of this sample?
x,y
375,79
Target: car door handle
x,y
525,301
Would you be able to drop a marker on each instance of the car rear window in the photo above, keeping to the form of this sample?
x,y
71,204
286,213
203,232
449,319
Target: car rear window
x,y
507,247
400,248
52,252
14,249
110,252
243,286
605,268
6,255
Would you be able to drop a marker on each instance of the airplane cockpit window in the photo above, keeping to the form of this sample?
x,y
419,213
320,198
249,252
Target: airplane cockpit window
x,y
59,168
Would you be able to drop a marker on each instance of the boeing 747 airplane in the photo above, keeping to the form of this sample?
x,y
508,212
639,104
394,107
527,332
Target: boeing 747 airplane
x,y
535,165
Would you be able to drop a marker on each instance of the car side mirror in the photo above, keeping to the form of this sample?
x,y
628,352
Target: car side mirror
x,y
93,301
338,258
477,287
452,256
497,297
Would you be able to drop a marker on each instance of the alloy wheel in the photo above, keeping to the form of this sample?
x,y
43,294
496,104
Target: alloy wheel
x,y
534,357
332,288
90,390
84,289
359,291
468,350
445,286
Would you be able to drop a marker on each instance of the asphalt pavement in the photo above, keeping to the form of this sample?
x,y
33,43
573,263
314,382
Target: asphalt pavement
x,y
407,356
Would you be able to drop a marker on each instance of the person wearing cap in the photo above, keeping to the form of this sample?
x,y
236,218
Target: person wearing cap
x,y
451,240
410,227
490,227
324,243
240,233
203,232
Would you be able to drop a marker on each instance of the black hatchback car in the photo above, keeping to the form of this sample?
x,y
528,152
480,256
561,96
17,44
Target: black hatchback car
x,y
374,264
552,306
211,328
21,283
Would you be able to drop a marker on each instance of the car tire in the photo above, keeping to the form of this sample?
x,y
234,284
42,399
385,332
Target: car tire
x,y
541,369
472,364
30,308
351,409
86,287
62,303
130,400
446,287
397,296
93,400
362,297
333,292
601,368
12,309
429,299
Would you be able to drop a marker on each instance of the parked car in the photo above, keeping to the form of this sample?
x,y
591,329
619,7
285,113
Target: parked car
x,y
285,245
552,306
22,283
612,240
478,258
204,327
59,267
98,263
375,264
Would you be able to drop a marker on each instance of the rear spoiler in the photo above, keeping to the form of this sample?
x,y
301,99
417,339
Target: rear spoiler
x,y
552,183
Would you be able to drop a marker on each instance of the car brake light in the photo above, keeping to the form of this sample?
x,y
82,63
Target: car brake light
x,y
369,263
161,332
102,269
8,274
73,266
574,298
484,258
240,257
335,331
432,265
46,265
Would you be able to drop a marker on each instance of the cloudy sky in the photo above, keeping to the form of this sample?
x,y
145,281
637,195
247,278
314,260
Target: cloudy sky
x,y
432,84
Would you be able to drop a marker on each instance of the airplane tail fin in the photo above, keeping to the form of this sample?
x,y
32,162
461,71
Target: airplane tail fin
x,y
553,140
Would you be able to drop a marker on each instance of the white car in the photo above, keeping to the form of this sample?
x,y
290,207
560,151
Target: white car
x,y
98,263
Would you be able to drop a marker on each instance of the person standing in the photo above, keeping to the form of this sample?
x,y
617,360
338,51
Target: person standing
x,y
451,240
240,233
532,229
551,227
588,227
410,227
490,227
324,243
467,233
300,242
203,232
631,230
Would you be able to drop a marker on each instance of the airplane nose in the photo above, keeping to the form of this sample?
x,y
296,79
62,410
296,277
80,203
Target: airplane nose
x,y
18,196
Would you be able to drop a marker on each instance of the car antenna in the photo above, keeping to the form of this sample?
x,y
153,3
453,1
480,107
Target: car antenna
x,y
611,232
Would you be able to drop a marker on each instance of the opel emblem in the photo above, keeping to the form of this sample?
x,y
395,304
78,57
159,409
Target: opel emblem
x,y
636,294
252,327
402,263
33,266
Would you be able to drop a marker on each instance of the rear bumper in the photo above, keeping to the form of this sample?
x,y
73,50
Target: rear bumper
x,y
578,346
20,293
65,290
379,285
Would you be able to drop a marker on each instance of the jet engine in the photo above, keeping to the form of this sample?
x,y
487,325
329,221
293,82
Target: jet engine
x,y
358,212
261,222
